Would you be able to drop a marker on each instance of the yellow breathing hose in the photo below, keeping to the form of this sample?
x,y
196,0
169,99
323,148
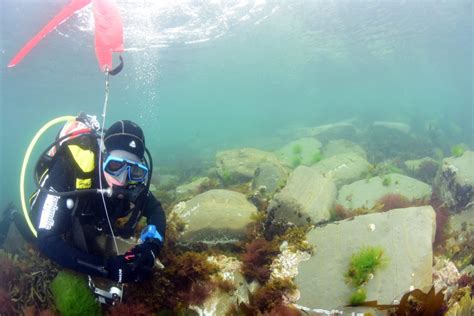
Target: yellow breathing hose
x,y
25,164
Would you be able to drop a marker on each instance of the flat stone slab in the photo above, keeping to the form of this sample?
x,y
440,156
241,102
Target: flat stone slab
x,y
188,190
392,126
328,132
239,165
303,151
414,165
423,169
343,146
215,216
343,168
269,177
308,197
406,235
365,193
455,181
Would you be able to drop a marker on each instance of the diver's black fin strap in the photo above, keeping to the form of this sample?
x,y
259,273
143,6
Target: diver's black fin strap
x,y
117,69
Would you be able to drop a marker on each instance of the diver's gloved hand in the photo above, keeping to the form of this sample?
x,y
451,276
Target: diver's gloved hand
x,y
120,270
144,254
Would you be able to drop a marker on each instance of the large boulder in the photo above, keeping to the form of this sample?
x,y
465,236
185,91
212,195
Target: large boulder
x,y
215,217
303,151
455,181
423,169
239,165
308,197
386,140
460,232
406,237
269,177
343,168
221,302
333,131
364,194
397,127
188,190
343,146
164,182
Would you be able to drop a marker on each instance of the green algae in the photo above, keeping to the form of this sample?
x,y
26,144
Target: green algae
x,y
72,296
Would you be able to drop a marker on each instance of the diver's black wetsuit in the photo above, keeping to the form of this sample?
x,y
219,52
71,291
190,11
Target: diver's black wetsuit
x,y
60,218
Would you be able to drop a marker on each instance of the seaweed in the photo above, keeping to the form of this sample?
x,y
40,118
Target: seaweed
x,y
339,213
414,303
227,178
269,300
72,296
316,157
185,280
392,201
257,259
282,310
463,306
296,238
363,264
32,311
466,280
386,181
358,297
458,150
31,279
137,309
225,285
8,271
297,149
361,269
6,303
418,303
427,171
442,223
296,161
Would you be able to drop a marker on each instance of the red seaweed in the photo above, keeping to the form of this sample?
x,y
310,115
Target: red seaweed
x,y
257,258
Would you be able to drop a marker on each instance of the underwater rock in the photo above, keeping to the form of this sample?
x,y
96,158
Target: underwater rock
x,y
343,146
186,191
306,198
343,168
220,302
364,194
269,177
391,126
285,266
215,217
461,221
460,243
455,181
303,151
239,165
14,241
164,181
328,132
406,236
464,307
445,276
423,169
414,165
389,140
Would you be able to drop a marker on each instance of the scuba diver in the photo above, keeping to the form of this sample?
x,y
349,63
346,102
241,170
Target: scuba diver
x,y
71,216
